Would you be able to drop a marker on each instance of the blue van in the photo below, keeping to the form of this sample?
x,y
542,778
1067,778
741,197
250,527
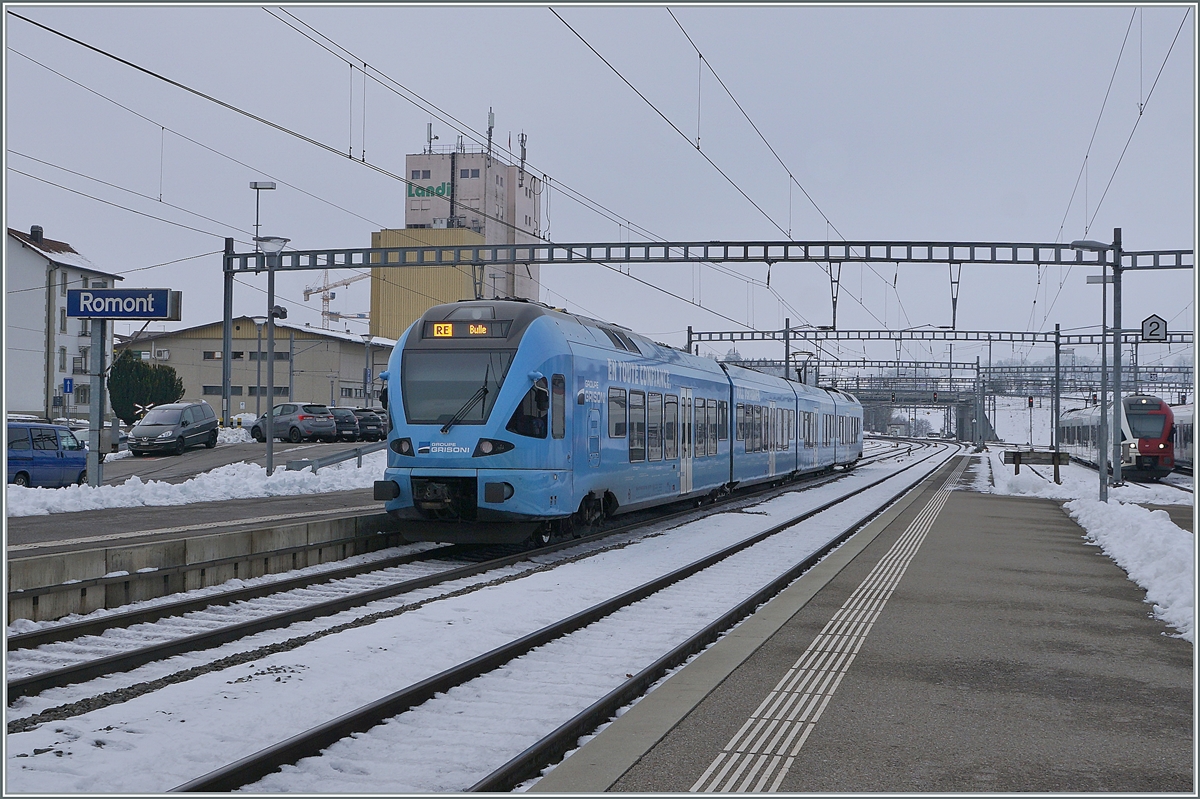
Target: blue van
x,y
46,455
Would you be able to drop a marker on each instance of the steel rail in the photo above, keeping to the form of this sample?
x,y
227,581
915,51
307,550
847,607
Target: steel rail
x,y
127,661
309,743
549,749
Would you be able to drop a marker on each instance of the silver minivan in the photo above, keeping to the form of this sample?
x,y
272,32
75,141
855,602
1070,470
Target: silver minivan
x,y
297,421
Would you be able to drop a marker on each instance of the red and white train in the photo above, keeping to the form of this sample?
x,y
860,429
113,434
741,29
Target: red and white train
x,y
1147,426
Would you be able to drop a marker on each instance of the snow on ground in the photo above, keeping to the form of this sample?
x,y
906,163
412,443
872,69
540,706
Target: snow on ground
x,y
233,481
1156,553
235,435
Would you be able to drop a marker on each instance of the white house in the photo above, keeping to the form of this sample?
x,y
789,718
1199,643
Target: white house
x,y
43,346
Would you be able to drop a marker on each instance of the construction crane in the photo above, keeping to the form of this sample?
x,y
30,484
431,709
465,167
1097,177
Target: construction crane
x,y
327,295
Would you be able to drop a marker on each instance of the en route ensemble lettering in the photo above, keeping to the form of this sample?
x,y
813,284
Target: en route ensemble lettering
x,y
428,191
626,372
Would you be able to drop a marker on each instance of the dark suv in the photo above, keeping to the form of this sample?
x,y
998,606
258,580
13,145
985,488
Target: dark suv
x,y
347,423
297,421
370,425
173,428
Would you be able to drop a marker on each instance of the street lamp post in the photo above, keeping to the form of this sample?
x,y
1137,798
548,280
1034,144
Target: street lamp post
x,y
259,187
366,337
259,321
1102,250
272,246
1117,335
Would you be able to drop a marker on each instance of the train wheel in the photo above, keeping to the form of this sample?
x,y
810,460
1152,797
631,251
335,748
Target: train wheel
x,y
542,536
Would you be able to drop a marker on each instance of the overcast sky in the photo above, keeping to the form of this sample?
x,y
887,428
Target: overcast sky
x,y
900,123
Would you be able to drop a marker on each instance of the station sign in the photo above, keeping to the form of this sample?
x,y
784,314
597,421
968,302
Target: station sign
x,y
124,304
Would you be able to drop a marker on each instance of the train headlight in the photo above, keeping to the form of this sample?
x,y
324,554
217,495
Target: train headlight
x,y
402,446
490,446
1162,446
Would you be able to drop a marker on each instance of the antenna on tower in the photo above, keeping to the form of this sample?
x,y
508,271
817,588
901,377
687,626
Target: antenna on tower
x,y
429,137
521,175
491,125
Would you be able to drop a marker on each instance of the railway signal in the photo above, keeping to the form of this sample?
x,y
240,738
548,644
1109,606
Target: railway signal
x,y
893,396
935,396
1030,401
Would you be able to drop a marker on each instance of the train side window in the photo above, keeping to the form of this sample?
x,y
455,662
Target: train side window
x,y
654,413
740,421
722,420
701,405
529,419
616,413
637,426
758,428
558,406
712,427
616,342
670,424
629,343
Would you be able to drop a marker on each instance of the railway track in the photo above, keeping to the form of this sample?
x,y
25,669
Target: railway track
x,y
255,677
205,623
246,771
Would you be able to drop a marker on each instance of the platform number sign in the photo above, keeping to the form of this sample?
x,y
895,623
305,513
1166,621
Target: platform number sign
x,y
1154,328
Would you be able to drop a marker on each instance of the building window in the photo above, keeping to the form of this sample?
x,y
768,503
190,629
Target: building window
x,y
212,391
83,395
474,173
424,174
62,283
62,359
237,356
62,320
347,392
83,282
416,174
99,284
212,355
464,173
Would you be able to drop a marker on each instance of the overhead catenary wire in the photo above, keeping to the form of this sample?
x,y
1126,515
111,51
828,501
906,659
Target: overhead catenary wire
x,y
1137,121
284,129
420,102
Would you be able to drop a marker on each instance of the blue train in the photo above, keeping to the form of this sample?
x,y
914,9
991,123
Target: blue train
x,y
511,420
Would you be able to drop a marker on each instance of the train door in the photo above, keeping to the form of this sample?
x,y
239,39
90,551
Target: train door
x,y
593,437
772,440
686,438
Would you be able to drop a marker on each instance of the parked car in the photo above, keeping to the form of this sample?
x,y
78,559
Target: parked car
x,y
381,415
173,428
45,455
296,422
347,423
370,425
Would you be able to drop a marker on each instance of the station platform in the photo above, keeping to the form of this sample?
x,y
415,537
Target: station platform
x,y
962,642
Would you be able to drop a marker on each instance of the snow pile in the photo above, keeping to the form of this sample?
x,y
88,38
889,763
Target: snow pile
x,y
1156,554
1077,482
234,481
234,435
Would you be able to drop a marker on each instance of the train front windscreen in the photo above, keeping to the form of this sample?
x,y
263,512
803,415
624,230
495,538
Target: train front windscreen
x,y
440,384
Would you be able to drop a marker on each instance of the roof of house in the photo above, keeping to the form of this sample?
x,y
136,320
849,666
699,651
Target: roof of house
x,y
61,253
378,341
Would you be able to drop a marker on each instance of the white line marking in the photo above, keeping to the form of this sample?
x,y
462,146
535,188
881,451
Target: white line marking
x,y
796,703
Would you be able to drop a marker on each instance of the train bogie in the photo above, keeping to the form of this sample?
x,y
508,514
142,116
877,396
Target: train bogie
x,y
509,415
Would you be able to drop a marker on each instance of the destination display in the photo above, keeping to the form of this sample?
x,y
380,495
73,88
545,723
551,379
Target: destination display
x,y
488,329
